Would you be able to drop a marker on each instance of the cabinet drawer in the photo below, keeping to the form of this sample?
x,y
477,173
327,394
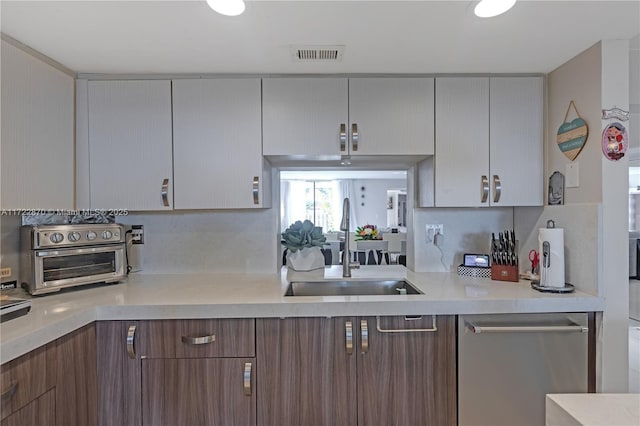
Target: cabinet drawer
x,y
210,338
26,378
40,412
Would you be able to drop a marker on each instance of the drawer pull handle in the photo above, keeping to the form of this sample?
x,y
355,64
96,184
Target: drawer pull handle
x,y
10,390
131,347
247,379
199,340
408,330
348,331
364,336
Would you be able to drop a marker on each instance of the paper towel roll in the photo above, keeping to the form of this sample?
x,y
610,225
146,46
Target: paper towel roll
x,y
552,267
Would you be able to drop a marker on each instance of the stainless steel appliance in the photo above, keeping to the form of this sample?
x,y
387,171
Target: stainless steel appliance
x,y
507,363
634,248
58,256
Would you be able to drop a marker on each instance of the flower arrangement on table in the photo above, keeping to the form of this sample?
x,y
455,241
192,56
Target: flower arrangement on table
x,y
368,232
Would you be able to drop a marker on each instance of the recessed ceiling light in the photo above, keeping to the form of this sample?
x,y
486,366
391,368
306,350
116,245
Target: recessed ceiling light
x,y
490,8
227,7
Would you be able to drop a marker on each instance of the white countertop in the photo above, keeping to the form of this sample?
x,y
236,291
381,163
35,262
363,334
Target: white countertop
x,y
169,296
593,409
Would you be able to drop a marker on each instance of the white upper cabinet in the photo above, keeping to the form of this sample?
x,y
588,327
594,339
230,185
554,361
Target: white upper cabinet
x,y
130,144
217,145
304,117
489,141
37,149
391,116
316,118
516,141
462,142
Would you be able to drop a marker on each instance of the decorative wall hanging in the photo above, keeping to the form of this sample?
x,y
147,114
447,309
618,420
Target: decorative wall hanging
x,y
572,135
556,189
618,113
614,141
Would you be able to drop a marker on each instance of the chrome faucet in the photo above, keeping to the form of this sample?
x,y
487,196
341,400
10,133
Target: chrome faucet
x,y
347,265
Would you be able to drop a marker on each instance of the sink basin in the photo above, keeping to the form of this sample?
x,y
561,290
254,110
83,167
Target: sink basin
x,y
350,288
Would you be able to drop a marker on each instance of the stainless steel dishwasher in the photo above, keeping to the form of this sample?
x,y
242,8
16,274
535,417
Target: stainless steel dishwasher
x,y
507,363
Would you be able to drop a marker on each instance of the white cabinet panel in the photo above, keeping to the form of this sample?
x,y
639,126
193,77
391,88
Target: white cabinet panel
x,y
302,116
394,116
37,150
462,141
217,146
130,144
516,140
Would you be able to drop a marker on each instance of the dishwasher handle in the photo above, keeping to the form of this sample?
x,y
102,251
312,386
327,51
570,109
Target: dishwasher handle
x,y
573,328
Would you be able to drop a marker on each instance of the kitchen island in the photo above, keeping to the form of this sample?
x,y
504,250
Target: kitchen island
x,y
193,296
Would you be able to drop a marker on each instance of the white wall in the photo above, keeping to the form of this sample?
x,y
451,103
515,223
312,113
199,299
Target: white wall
x,y
374,210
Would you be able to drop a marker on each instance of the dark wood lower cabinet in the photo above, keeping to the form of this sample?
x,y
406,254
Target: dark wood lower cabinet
x,y
313,371
307,374
407,377
39,412
198,392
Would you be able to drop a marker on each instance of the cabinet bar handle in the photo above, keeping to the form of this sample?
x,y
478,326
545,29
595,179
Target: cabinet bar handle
x,y
364,336
348,330
164,192
355,137
256,189
484,189
408,330
477,329
497,188
247,379
343,137
10,390
131,348
198,340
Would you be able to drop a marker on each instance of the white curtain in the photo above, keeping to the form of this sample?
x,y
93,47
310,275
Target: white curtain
x,y
292,200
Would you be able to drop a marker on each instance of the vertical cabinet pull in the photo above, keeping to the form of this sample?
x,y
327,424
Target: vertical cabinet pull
x,y
10,390
256,189
364,336
355,137
348,330
246,382
164,192
484,189
131,349
343,137
497,188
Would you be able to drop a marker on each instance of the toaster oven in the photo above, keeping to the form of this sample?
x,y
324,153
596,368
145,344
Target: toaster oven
x,y
58,256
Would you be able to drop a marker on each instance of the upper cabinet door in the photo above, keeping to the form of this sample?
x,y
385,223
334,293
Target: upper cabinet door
x,y
462,142
217,144
516,124
37,150
391,116
130,144
304,116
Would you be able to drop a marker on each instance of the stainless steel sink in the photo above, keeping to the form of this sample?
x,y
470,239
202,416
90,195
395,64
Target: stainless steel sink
x,y
350,288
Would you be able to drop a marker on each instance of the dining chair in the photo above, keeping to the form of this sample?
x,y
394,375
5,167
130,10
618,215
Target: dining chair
x,y
372,252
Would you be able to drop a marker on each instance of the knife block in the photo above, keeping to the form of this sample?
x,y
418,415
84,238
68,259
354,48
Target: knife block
x,y
505,273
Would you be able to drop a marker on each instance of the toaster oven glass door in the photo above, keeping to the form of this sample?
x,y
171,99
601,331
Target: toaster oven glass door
x,y
95,264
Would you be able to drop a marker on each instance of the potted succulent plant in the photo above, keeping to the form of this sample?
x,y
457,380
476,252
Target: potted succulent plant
x,y
304,241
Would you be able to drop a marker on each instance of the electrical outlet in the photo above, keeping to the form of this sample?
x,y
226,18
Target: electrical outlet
x,y
137,234
433,230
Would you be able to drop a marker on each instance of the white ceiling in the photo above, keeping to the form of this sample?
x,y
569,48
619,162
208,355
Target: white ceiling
x,y
380,36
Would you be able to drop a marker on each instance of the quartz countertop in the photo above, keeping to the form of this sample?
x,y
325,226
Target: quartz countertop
x,y
593,409
175,296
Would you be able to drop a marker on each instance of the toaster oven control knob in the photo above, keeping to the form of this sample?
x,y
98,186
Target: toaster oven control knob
x,y
106,235
74,236
56,237
91,235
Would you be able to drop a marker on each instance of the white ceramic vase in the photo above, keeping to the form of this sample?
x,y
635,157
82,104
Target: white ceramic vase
x,y
306,259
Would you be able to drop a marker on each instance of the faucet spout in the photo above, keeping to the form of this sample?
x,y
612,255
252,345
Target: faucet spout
x,y
346,254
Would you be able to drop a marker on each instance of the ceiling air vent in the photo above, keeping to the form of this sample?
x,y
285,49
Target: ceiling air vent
x,y
317,53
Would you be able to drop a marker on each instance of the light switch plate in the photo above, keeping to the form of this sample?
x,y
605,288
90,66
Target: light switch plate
x,y
572,175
